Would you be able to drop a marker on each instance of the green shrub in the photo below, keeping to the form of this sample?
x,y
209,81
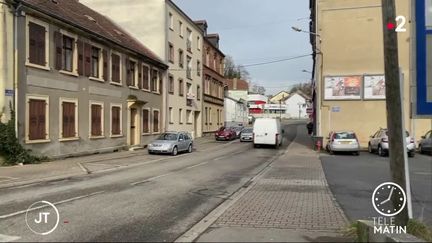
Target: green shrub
x,y
419,230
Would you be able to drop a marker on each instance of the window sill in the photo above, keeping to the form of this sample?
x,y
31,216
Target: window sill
x,y
146,134
38,141
134,87
68,73
116,84
68,139
189,123
96,137
156,133
97,79
171,93
172,123
116,136
46,68
155,92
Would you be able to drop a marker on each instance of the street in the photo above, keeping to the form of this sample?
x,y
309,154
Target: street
x,y
352,180
151,202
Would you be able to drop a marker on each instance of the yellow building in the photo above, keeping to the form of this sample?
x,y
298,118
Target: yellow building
x,y
347,36
277,98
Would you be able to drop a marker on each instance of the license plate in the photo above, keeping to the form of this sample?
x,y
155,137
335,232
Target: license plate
x,y
345,142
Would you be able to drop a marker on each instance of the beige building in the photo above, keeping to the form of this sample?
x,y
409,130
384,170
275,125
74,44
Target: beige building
x,y
279,97
177,40
349,67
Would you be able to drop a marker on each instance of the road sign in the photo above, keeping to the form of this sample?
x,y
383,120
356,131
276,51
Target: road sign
x,y
9,92
309,111
336,109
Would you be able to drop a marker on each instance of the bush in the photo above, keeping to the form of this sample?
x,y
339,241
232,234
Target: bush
x,y
420,230
10,148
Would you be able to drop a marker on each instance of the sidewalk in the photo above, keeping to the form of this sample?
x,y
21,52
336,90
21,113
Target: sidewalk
x,y
76,166
291,201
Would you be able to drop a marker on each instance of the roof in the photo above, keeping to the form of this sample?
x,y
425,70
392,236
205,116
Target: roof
x,y
241,84
298,92
80,16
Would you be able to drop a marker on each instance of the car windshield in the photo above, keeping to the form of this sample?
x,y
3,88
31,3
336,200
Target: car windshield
x,y
237,128
247,130
168,137
345,135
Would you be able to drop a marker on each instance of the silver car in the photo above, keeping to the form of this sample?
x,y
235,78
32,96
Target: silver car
x,y
246,134
379,142
343,141
171,143
425,144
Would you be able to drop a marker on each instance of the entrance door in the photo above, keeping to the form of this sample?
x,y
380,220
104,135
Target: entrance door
x,y
133,128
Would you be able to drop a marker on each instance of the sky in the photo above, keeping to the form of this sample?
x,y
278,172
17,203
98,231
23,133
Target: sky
x,y
257,31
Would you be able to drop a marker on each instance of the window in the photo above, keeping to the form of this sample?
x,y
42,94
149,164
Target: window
x,y
181,87
96,119
131,73
116,120
208,58
170,115
146,78
146,121
189,116
198,68
37,43
181,29
214,62
189,40
221,66
206,115
210,116
198,43
68,118
37,115
156,120
154,81
68,49
171,84
189,94
95,62
115,68
181,58
198,92
207,85
171,21
189,67
181,116
171,53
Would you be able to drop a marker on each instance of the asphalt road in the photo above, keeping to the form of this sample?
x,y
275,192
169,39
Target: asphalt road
x,y
152,202
352,180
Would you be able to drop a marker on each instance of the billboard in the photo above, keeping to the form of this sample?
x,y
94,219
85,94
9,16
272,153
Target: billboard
x,y
342,88
374,87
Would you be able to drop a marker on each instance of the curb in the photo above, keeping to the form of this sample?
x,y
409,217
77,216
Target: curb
x,y
365,233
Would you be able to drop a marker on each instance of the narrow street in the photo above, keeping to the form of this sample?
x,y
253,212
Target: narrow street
x,y
150,202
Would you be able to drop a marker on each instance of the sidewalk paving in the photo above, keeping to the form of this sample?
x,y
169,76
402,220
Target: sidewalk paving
x,y
82,165
291,201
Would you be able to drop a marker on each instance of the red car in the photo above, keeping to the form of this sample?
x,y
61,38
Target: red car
x,y
225,133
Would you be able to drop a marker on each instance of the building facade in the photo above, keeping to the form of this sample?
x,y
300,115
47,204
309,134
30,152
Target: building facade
x,y
84,85
276,99
296,105
177,40
256,103
236,112
213,82
352,96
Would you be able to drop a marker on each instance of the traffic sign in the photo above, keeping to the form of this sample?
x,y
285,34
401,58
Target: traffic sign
x,y
309,111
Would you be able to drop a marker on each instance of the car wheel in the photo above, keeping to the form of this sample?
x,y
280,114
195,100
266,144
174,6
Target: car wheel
x,y
174,151
190,148
256,146
411,154
357,153
381,151
421,150
331,152
150,152
370,150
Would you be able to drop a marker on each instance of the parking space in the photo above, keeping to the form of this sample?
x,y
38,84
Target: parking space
x,y
352,180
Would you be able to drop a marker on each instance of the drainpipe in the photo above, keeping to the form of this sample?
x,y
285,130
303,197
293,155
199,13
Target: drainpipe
x,y
16,15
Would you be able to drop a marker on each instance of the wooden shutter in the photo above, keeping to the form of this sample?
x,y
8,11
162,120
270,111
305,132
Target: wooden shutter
x,y
58,38
80,45
155,121
68,120
140,76
37,119
146,78
105,64
96,120
115,121
146,128
160,83
37,44
152,83
128,73
87,59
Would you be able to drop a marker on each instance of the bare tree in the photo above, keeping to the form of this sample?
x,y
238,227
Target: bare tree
x,y
235,71
306,88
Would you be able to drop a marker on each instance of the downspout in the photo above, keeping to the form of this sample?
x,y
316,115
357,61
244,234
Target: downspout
x,y
16,15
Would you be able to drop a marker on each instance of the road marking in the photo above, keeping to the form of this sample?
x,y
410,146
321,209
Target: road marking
x,y
151,178
83,168
56,203
193,166
23,186
96,163
423,173
7,238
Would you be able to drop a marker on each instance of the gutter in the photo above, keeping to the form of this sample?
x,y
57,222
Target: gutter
x,y
15,72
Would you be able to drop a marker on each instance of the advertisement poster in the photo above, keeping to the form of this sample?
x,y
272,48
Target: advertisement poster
x,y
343,88
374,87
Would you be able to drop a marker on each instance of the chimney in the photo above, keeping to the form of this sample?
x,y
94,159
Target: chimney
x,y
202,24
214,39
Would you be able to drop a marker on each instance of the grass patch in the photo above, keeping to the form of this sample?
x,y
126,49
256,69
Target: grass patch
x,y
352,231
419,230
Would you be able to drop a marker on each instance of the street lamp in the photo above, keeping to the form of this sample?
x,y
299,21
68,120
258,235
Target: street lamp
x,y
306,71
312,33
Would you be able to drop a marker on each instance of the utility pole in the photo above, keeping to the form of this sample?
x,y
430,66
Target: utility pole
x,y
396,131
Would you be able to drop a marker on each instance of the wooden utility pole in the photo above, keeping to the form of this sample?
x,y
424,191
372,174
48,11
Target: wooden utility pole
x,y
396,131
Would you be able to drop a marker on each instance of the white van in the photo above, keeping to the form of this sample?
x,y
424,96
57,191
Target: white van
x,y
267,131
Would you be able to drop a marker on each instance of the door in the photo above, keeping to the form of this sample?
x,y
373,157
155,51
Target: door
x,y
375,140
182,142
133,128
428,142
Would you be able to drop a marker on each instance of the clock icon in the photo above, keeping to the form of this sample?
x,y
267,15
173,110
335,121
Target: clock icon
x,y
389,199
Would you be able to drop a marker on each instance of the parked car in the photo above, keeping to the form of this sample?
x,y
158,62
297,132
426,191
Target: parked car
x,y
267,131
343,141
237,130
171,143
425,144
225,133
246,134
379,142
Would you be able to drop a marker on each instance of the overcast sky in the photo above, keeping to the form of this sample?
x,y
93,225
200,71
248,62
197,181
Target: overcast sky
x,y
256,31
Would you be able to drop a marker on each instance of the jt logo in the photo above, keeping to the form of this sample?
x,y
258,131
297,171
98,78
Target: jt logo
x,y
38,221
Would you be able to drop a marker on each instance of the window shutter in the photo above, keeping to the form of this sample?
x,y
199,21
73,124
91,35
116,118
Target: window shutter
x,y
116,121
58,37
96,120
152,83
33,53
105,64
80,45
37,44
37,116
146,78
128,73
146,121
140,81
87,59
41,45
155,121
160,82
68,120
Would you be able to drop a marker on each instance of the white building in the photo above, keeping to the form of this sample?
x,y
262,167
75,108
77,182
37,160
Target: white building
x,y
236,111
177,40
296,105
